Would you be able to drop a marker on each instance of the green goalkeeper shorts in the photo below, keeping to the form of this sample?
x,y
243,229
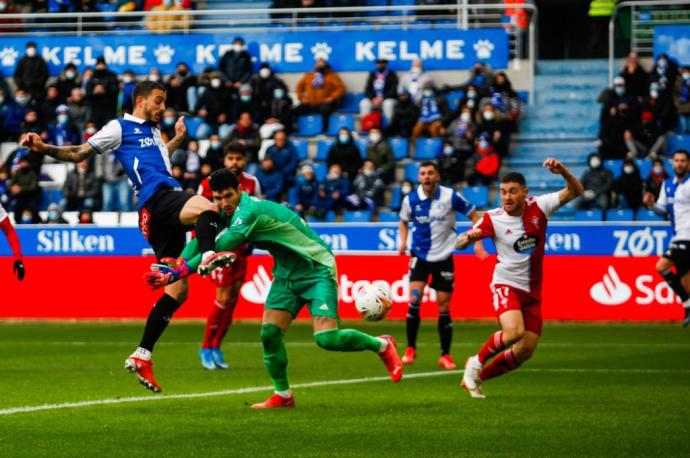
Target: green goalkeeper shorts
x,y
319,294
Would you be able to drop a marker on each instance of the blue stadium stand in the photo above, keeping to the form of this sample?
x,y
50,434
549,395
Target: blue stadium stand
x,y
589,215
563,214
320,170
338,121
192,124
645,167
427,148
412,171
329,218
400,146
322,147
615,166
396,198
477,195
49,196
358,216
625,214
645,214
388,217
302,145
362,144
676,142
309,125
453,97
351,102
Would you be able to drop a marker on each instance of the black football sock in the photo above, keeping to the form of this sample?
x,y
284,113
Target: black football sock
x,y
445,332
673,281
158,320
412,324
206,229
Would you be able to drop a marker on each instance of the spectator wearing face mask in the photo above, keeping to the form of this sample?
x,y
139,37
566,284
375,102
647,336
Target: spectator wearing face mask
x,y
214,106
345,153
451,164
470,100
656,178
332,192
682,101
236,66
270,179
102,89
264,84
167,124
511,106
54,215
635,78
414,80
486,162
90,130
68,79
50,104
405,116
285,157
658,118
78,111
665,72
597,182
178,86
62,131
616,96
33,123
461,133
406,187
381,90
245,132
164,23
24,191
434,114
16,112
489,120
628,186
480,77
31,72
302,195
319,91
276,113
379,152
367,189
214,154
124,97
81,188
246,103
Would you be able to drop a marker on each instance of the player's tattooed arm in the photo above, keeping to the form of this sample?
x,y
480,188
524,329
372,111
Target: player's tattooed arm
x,y
75,153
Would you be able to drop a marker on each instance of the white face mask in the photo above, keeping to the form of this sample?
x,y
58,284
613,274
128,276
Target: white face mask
x,y
686,76
483,144
154,77
375,137
448,150
31,52
215,83
658,169
595,162
465,117
628,170
416,70
91,130
237,47
264,73
406,189
127,79
62,118
488,115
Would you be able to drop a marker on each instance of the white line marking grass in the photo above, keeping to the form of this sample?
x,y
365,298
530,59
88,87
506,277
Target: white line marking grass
x,y
255,389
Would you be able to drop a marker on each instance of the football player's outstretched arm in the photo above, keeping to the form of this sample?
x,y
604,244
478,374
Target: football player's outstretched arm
x,y
180,135
76,153
573,187
479,249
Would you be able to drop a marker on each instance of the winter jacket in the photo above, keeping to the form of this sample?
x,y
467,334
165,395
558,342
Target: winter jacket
x,y
333,88
346,155
381,154
237,67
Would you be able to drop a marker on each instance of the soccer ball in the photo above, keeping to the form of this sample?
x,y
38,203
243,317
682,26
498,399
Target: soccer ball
x,y
373,302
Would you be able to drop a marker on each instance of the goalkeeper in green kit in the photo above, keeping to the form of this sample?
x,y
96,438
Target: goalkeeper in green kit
x,y
304,273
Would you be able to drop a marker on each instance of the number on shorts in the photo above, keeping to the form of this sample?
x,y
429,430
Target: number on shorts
x,y
501,297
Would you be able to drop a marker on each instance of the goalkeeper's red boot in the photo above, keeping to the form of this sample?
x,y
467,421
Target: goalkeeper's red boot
x,y
275,401
143,368
391,359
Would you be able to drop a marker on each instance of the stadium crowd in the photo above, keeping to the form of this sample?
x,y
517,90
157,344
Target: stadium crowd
x,y
234,103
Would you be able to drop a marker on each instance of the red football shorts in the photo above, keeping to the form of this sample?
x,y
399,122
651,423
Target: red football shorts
x,y
510,298
230,275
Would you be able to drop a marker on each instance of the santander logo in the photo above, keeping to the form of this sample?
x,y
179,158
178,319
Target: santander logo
x,y
611,290
256,289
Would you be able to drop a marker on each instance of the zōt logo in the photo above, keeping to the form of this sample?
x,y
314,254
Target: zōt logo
x,y
611,290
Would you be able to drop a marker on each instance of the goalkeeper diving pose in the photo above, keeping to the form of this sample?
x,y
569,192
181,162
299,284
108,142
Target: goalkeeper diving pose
x,y
304,273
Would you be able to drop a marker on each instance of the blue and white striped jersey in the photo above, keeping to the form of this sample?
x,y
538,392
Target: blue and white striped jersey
x,y
139,147
433,221
674,199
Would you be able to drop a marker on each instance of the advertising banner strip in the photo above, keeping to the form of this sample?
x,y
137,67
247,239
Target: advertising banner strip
x,y
447,49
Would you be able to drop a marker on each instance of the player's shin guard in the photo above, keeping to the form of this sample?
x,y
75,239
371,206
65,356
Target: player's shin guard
x,y
158,320
346,340
504,362
674,282
445,332
205,228
413,320
491,347
213,321
275,356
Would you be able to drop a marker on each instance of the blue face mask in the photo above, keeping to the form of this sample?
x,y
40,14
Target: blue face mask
x,y
52,215
278,93
246,98
620,90
343,138
168,121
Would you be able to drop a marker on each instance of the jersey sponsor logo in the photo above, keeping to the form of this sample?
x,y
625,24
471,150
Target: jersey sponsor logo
x,y
150,141
526,244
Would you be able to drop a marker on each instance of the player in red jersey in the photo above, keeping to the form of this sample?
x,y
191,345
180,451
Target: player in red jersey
x,y
518,229
13,240
228,280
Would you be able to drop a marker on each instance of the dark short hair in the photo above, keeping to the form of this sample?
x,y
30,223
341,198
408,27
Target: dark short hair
x,y
236,148
223,179
145,88
429,164
682,151
514,177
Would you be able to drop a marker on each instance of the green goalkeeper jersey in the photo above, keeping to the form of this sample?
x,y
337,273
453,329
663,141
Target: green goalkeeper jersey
x,y
297,250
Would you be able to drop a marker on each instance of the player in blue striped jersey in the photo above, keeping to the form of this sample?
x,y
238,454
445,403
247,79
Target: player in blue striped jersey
x,y
165,211
431,211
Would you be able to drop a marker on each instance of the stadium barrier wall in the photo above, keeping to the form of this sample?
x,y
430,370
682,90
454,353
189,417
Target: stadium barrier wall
x,y
591,272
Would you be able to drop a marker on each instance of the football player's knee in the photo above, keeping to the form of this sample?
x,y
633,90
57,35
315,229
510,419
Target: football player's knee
x,y
328,340
415,298
512,334
663,264
271,335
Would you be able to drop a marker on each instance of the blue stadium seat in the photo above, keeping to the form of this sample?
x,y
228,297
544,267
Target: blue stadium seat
x,y
351,102
396,198
453,98
329,218
477,195
563,214
589,215
614,165
645,214
400,146
359,216
645,166
388,217
322,147
320,170
676,142
49,196
192,124
302,145
412,171
620,215
427,148
338,121
251,168
362,144
309,125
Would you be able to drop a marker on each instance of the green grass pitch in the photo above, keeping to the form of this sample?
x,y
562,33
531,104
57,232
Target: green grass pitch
x,y
590,390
